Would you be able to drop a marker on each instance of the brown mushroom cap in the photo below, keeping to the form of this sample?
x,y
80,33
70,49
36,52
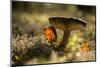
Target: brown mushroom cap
x,y
67,24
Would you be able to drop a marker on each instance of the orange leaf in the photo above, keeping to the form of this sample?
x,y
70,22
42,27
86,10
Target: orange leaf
x,y
50,34
85,47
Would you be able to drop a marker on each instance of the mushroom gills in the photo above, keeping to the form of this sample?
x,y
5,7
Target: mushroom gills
x,y
60,26
74,26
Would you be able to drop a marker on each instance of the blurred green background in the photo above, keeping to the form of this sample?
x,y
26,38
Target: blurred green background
x,y
34,16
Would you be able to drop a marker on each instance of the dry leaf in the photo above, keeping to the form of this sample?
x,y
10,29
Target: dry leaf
x,y
85,47
50,33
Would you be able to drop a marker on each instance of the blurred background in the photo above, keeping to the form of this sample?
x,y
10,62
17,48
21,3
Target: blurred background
x,y
28,21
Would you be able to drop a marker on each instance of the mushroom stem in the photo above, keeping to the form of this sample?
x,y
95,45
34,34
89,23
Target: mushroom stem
x,y
65,38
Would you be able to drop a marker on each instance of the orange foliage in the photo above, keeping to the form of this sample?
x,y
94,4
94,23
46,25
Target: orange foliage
x,y
85,47
50,33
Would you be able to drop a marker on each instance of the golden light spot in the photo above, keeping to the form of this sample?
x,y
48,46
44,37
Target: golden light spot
x,y
17,58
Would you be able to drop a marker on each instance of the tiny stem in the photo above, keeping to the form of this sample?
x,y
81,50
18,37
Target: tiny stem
x,y
65,38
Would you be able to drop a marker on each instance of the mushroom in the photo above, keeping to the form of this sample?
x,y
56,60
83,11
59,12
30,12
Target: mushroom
x,y
67,25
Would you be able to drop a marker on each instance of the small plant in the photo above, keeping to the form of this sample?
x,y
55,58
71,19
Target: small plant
x,y
25,48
